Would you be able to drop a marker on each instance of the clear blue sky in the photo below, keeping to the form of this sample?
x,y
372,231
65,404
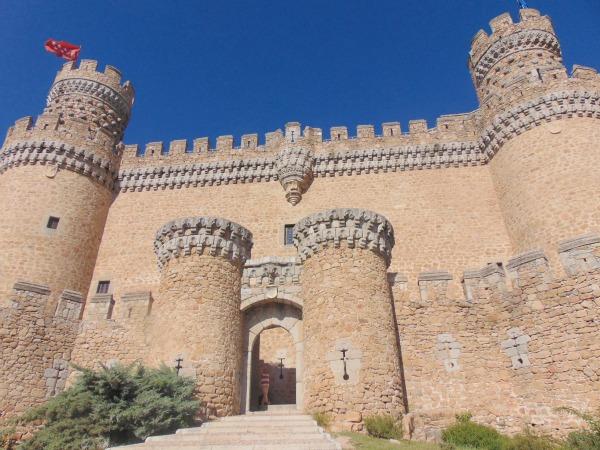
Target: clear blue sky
x,y
212,67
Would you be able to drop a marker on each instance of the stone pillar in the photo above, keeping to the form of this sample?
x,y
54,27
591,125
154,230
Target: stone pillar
x,y
348,311
197,311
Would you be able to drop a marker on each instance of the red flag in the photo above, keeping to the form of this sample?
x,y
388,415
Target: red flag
x,y
63,49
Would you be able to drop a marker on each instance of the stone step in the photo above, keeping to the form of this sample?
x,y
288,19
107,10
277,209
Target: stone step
x,y
194,446
300,429
257,424
239,439
266,418
262,431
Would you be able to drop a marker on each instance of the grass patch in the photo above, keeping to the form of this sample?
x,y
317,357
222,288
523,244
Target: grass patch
x,y
364,442
322,418
383,426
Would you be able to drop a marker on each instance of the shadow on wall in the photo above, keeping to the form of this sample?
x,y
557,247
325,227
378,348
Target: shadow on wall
x,y
282,391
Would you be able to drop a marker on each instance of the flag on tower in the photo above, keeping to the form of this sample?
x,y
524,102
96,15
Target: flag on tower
x,y
63,49
522,4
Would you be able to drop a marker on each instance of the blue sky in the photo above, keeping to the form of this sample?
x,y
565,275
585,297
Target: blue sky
x,y
207,68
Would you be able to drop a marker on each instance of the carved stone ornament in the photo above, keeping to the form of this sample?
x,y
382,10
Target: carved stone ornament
x,y
358,228
294,166
202,235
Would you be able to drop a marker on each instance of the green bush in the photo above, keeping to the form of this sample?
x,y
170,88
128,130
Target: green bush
x,y
470,434
529,441
383,426
588,439
118,405
322,418
7,441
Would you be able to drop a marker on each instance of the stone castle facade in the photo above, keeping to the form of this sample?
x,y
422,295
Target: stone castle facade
x,y
425,272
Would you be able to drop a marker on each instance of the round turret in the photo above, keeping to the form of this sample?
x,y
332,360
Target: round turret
x,y
514,59
56,180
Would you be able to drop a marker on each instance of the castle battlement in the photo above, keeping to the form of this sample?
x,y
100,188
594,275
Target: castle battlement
x,y
413,262
88,69
578,256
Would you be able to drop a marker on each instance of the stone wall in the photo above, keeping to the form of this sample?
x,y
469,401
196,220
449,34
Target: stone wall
x,y
35,349
516,347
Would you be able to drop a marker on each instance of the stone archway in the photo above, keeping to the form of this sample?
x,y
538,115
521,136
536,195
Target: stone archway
x,y
264,316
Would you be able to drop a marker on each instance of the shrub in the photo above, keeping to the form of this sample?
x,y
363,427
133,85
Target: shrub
x,y
117,405
529,441
7,441
322,418
588,439
383,426
470,434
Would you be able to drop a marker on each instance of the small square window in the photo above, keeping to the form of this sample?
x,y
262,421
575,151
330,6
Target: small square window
x,y
52,222
103,287
288,235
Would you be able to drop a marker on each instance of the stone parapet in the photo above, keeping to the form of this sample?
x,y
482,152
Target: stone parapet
x,y
202,235
271,270
358,228
61,156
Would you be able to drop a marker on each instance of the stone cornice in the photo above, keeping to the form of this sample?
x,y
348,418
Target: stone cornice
x,y
529,39
202,235
358,228
198,174
272,270
94,89
58,154
549,107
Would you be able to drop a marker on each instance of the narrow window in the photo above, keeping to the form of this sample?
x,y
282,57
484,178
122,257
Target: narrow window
x,y
52,222
103,287
288,235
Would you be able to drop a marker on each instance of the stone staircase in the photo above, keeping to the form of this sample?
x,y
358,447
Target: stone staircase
x,y
280,427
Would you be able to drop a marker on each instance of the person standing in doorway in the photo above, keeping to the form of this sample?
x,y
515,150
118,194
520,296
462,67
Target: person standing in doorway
x,y
265,380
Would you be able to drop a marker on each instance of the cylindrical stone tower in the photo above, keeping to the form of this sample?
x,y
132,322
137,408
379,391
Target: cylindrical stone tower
x,y
540,132
198,317
351,356
56,180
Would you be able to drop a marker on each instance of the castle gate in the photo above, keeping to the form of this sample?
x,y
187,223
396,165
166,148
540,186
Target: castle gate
x,y
272,331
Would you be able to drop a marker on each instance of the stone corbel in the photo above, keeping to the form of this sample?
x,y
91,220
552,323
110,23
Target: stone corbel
x,y
294,166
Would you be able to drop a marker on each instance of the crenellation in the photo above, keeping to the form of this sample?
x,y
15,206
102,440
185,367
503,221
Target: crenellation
x,y
153,149
273,138
584,72
501,23
249,141
224,143
391,129
99,307
178,147
201,145
293,132
365,131
433,286
338,133
416,127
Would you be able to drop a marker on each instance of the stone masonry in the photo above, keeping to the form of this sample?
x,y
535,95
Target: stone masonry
x,y
422,270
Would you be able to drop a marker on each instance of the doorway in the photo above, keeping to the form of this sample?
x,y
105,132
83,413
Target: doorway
x,y
273,339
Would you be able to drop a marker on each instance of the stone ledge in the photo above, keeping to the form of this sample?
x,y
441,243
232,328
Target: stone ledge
x,y
203,235
31,287
525,258
72,296
486,271
359,228
435,276
570,244
143,296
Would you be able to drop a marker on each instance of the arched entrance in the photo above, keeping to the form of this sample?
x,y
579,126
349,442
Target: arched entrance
x,y
273,337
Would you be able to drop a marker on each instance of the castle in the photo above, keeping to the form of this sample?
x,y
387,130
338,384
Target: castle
x,y
424,272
